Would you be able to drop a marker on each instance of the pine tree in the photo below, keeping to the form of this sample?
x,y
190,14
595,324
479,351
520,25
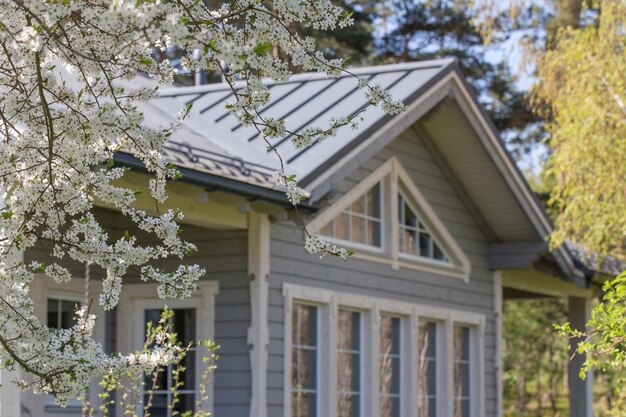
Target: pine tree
x,y
427,29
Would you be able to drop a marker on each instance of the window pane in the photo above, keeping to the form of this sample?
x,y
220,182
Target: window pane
x,y
358,229
360,222
389,366
373,202
304,361
373,231
53,314
415,237
409,239
186,403
357,206
304,325
438,253
303,404
461,371
60,313
425,245
348,367
427,368
304,366
183,324
410,218
341,227
67,313
327,230
158,406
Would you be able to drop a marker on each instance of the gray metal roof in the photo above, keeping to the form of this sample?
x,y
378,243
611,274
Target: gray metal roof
x,y
212,141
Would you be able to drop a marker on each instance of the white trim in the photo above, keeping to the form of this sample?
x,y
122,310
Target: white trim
x,y
411,315
497,312
389,253
128,335
258,333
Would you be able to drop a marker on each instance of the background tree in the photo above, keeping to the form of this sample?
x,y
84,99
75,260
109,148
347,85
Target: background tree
x,y
582,93
535,358
412,30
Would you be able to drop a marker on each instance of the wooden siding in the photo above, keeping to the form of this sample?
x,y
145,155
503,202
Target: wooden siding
x,y
291,264
224,255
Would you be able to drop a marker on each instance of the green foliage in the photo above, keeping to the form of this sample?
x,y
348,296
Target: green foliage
x,y
604,345
583,94
428,29
126,392
534,358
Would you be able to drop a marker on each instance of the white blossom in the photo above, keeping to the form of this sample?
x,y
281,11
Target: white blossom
x,y
70,102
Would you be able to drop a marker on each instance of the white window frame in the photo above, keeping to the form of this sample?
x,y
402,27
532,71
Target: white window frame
x,y
440,337
371,249
74,405
329,302
41,289
131,328
393,177
362,344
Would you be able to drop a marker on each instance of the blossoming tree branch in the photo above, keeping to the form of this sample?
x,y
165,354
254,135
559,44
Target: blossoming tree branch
x,y
67,107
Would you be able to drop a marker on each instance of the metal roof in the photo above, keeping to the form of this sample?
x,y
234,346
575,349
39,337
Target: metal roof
x,y
212,141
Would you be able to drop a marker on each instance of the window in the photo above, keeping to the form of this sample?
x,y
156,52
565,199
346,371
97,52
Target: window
x,y
415,238
60,313
427,369
344,358
360,222
304,361
389,375
183,323
461,371
193,319
349,364
386,219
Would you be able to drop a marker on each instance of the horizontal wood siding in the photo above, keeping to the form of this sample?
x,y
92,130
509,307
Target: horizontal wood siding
x,y
224,255
291,264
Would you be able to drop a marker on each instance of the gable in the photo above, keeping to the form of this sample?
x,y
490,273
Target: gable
x,y
404,230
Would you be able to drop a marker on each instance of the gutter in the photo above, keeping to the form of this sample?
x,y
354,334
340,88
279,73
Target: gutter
x,y
217,183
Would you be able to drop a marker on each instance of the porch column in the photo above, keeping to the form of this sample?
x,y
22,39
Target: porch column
x,y
580,391
258,333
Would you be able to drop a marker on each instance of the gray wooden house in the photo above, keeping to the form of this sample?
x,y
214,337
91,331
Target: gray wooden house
x,y
443,225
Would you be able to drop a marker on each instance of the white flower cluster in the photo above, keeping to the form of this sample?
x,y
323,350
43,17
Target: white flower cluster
x,y
69,104
294,194
314,244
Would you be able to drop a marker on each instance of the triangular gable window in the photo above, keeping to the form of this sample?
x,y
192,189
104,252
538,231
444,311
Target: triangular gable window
x,y
415,237
385,217
360,222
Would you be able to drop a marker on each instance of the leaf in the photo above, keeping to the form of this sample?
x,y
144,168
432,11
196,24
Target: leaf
x,y
262,48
